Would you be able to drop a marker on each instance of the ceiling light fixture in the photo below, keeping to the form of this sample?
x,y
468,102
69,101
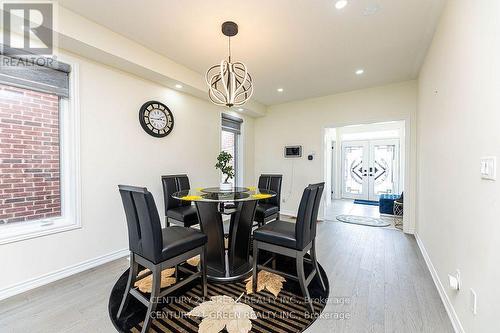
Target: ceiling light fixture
x,y
240,109
360,71
229,83
372,9
279,90
178,86
340,4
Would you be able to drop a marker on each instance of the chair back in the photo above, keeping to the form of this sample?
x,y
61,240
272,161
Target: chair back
x,y
143,222
172,184
305,227
272,183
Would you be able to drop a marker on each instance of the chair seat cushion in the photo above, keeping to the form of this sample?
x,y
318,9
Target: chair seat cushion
x,y
177,240
277,232
186,214
264,210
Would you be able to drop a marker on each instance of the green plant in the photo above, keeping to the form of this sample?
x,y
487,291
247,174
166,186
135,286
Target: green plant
x,y
223,165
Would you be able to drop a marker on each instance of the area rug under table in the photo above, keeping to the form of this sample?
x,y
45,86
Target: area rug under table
x,y
285,313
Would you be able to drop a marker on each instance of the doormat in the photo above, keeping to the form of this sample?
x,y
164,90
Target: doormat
x,y
366,202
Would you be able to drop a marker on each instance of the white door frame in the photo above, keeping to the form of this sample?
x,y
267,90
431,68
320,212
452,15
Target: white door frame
x,y
408,149
333,182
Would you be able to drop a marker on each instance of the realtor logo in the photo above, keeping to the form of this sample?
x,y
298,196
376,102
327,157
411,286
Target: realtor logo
x,y
28,28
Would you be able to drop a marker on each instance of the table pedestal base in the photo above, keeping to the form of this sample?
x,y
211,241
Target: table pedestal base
x,y
229,277
237,264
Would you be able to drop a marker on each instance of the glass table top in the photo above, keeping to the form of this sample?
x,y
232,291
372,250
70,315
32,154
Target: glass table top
x,y
218,190
214,194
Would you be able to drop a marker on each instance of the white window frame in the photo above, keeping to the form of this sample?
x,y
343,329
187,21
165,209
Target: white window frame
x,y
241,156
239,145
70,219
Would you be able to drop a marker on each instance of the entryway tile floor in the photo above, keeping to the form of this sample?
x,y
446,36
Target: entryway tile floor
x,y
348,207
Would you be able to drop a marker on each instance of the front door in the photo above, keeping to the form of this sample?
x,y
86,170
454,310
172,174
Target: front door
x,y
370,168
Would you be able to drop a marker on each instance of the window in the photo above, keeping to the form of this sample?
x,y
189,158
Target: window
x,y
230,137
38,150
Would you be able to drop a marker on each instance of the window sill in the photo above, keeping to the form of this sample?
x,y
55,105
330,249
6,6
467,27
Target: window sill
x,y
26,230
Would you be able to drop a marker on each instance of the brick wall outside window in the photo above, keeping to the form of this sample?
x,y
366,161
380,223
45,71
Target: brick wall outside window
x,y
29,155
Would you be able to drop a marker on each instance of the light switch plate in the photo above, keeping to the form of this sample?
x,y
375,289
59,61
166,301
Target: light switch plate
x,y
489,167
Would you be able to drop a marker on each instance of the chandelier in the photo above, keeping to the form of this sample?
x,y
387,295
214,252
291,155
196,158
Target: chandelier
x,y
229,83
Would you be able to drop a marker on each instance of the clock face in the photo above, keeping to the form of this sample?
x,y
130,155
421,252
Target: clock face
x,y
156,119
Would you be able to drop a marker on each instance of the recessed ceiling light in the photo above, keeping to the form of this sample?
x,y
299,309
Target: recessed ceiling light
x,y
340,4
178,86
279,90
240,109
372,9
360,71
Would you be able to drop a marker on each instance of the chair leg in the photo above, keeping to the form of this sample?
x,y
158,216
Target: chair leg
x,y
153,301
255,259
203,267
315,264
302,280
132,276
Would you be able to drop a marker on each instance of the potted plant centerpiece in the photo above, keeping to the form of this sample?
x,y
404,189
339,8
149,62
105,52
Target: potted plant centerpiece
x,y
227,170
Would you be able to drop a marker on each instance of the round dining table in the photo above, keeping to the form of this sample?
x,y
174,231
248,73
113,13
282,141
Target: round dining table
x,y
234,262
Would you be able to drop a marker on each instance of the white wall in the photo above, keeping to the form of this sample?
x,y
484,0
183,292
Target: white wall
x,y
386,130
115,150
304,122
458,122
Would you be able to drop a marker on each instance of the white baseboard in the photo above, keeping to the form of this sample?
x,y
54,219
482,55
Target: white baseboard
x,y
457,326
60,274
288,213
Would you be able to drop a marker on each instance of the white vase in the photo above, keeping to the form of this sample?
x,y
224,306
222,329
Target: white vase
x,y
226,186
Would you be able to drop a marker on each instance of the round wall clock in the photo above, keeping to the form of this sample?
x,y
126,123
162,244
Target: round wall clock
x,y
156,119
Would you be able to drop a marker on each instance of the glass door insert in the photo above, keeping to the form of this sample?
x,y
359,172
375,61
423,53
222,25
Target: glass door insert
x,y
370,168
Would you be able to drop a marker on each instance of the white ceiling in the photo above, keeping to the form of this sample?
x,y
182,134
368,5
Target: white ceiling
x,y
307,47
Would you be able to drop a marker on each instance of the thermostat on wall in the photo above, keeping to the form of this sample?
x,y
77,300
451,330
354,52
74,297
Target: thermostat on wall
x,y
293,151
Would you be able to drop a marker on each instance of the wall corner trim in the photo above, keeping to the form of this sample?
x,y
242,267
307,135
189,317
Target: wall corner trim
x,y
455,321
42,280
410,231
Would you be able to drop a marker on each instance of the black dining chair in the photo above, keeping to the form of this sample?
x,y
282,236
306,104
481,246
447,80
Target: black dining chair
x,y
269,209
156,249
292,240
177,211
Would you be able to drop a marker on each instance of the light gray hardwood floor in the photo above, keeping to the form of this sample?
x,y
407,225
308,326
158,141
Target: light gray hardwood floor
x,y
378,283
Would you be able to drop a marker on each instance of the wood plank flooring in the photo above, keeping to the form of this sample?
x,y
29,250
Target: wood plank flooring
x,y
378,283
